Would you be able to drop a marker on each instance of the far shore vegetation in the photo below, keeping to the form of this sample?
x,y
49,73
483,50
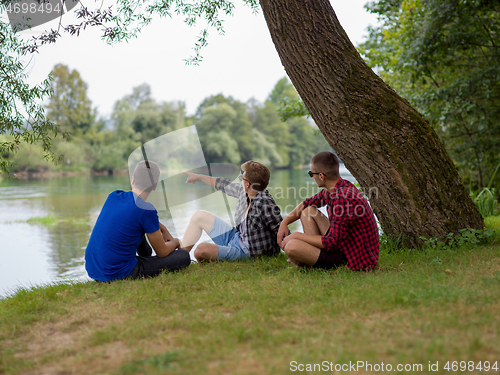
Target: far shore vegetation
x,y
438,304
102,145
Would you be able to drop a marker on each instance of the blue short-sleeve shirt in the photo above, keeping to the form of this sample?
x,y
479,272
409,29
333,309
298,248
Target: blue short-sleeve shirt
x,y
120,228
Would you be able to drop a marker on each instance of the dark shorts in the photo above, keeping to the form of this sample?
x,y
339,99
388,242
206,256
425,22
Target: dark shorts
x,y
330,259
151,266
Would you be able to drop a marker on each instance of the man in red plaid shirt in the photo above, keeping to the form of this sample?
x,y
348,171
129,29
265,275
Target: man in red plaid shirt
x,y
348,236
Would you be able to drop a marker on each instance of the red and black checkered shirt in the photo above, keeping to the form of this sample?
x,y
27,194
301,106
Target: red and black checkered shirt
x,y
353,229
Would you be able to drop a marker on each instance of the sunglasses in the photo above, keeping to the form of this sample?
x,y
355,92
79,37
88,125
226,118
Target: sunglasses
x,y
313,173
241,176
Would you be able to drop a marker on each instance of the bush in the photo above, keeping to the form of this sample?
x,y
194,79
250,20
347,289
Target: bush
x,y
30,158
486,202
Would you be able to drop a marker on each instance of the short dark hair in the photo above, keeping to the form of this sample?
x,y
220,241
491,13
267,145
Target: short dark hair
x,y
146,175
327,163
257,174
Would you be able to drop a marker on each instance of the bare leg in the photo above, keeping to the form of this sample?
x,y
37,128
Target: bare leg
x,y
314,223
206,252
301,253
201,221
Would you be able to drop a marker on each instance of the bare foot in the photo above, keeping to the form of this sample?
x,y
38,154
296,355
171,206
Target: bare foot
x,y
295,264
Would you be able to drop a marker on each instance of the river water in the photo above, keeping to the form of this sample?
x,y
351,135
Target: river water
x,y
45,224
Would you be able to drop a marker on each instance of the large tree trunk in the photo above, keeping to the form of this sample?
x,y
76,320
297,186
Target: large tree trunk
x,y
392,151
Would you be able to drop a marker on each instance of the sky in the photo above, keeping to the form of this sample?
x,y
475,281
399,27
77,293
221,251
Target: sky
x,y
243,63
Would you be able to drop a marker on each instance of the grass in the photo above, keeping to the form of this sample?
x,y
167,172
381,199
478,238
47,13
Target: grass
x,y
259,316
52,220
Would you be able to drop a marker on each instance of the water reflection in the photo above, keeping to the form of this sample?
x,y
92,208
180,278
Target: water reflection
x,y
67,242
34,253
38,253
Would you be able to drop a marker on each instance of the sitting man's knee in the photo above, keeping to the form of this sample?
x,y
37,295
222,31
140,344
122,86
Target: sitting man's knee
x,y
185,257
308,212
203,252
198,216
292,248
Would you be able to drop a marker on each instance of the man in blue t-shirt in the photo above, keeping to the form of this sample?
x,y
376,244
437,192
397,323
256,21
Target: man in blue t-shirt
x,y
119,234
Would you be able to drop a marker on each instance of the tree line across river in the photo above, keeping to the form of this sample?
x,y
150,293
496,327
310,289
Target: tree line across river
x,y
230,131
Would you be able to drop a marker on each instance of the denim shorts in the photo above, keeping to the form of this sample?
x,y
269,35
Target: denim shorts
x,y
227,239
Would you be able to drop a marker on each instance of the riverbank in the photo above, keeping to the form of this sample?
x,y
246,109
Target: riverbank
x,y
44,174
261,317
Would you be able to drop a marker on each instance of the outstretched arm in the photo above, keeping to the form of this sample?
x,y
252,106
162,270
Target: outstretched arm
x,y
226,186
193,178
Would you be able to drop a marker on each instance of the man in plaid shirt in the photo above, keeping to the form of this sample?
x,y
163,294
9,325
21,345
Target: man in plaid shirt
x,y
348,236
257,218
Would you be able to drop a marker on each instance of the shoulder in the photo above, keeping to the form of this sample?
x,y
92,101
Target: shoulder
x,y
265,208
349,191
222,183
321,195
344,186
118,194
130,201
263,202
264,198
143,205
116,197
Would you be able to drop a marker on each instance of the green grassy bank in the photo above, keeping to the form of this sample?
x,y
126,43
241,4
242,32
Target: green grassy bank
x,y
261,317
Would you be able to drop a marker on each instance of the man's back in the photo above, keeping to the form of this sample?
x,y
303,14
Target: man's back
x,y
353,228
361,244
120,228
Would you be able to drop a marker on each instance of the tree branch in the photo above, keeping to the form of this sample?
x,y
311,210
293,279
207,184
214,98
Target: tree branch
x,y
489,34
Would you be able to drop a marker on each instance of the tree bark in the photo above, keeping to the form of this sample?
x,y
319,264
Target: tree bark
x,y
413,186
